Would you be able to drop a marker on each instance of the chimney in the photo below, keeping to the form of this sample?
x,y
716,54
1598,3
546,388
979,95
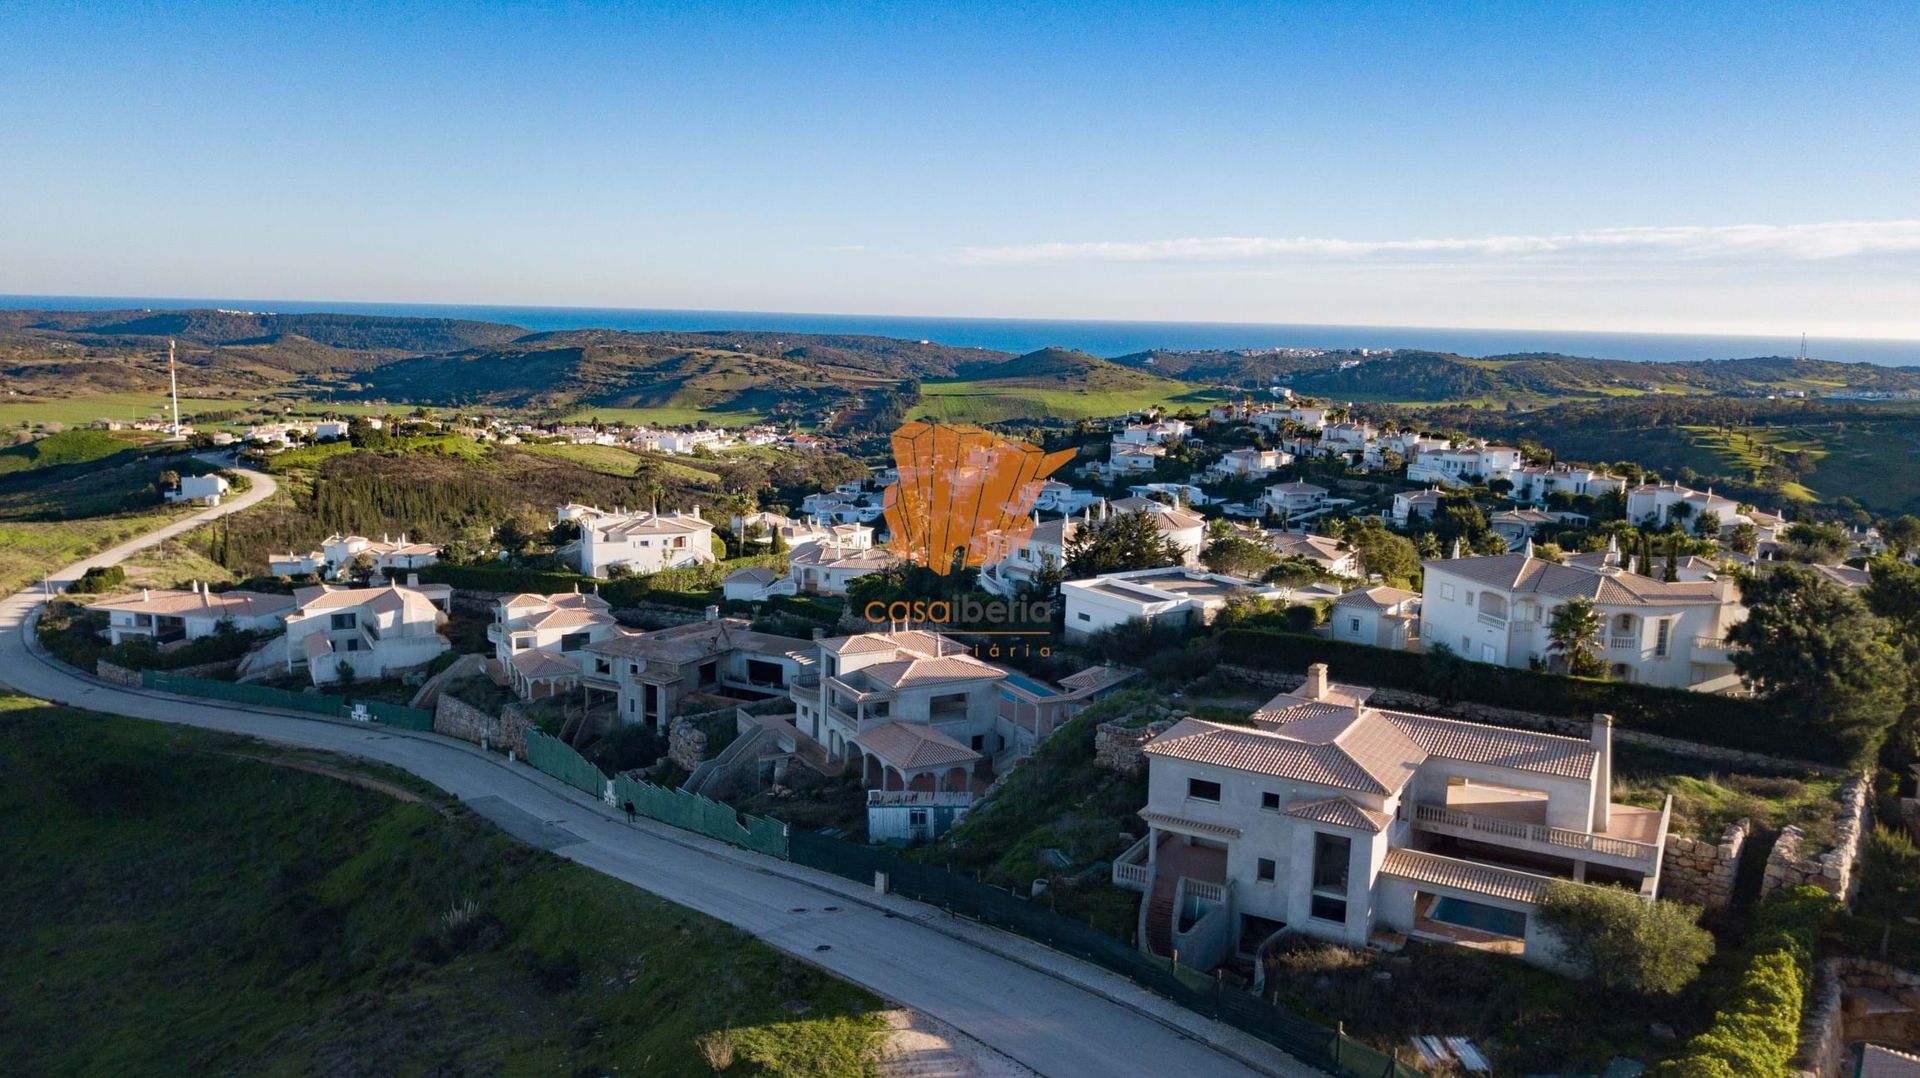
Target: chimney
x,y
413,580
1603,773
713,613
1315,687
145,595
819,633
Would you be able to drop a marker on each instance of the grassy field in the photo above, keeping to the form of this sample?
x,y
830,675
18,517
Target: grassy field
x,y
613,460
665,415
1003,401
53,515
125,407
185,902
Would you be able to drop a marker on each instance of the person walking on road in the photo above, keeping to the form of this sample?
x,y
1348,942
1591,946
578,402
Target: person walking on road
x,y
629,807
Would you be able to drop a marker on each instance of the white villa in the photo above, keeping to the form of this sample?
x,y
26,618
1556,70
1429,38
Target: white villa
x,y
1497,609
372,631
537,639
1655,502
199,489
1462,466
1339,821
337,554
163,615
1294,499
1534,482
1246,463
827,567
650,675
643,542
1176,596
1156,432
1330,554
1380,617
1185,528
1408,504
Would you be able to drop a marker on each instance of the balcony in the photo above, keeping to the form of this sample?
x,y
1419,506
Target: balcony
x,y
493,632
1623,642
1493,620
1712,648
1131,870
1641,853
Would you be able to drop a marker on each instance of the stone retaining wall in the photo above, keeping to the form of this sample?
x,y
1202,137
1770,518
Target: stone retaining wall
x,y
130,678
1402,699
1701,872
1828,1028
1118,747
1831,870
686,744
457,718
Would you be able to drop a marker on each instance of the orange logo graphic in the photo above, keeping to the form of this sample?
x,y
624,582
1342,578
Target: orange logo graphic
x,y
965,496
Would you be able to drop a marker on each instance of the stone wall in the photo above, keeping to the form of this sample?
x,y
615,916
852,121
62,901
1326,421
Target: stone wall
x,y
686,744
1117,747
1701,872
457,718
1831,1025
1789,865
1404,700
130,678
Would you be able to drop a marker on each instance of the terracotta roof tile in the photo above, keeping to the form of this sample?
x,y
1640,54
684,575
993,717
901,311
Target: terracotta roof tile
x,y
1340,812
913,747
1489,880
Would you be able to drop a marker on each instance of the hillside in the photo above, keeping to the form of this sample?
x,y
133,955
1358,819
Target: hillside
x,y
183,902
1051,384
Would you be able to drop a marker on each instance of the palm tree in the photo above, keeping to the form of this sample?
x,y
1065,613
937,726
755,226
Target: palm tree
x,y
1573,633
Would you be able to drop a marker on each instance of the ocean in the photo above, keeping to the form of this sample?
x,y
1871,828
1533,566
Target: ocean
x,y
1098,338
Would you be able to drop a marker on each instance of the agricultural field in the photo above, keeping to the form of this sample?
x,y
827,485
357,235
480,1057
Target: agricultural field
x,y
613,460
187,901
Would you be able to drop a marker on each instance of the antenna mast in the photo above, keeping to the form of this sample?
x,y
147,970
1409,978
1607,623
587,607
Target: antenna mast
x,y
173,385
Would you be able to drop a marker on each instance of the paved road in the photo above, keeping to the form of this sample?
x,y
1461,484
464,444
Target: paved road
x,y
1060,1017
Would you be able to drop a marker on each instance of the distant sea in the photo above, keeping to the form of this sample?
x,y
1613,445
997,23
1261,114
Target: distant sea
x,y
1097,338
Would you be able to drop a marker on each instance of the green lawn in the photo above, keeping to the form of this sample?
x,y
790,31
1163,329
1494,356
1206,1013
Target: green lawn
x,y
180,902
613,460
125,407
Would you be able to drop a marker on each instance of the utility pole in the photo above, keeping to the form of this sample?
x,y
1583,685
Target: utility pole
x,y
173,385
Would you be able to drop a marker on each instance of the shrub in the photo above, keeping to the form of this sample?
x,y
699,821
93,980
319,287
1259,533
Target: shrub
x,y
1610,935
100,578
1757,1032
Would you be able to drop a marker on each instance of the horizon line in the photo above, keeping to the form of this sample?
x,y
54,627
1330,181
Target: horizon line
x,y
982,318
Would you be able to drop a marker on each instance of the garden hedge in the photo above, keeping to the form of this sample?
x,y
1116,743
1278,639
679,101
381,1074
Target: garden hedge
x,y
1726,721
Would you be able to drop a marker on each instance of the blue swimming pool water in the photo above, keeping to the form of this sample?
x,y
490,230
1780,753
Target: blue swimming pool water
x,y
1458,911
1029,684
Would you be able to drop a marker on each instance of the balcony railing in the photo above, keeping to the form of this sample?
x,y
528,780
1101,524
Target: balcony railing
x,y
1628,641
1131,868
1539,834
1494,620
1203,890
1714,643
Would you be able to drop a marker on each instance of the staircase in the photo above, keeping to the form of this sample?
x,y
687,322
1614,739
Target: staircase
x,y
1160,924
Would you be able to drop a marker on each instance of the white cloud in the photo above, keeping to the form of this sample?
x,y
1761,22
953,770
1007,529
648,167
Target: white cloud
x,y
1810,242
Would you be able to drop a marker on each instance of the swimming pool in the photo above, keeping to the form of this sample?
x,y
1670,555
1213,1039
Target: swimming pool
x,y
1459,911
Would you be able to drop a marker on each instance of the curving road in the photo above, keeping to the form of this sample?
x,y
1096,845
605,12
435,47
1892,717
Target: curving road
x,y
1056,1015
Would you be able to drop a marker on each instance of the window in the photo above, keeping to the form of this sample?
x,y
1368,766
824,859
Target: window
x,y
1353,625
1327,908
353,644
1662,631
1270,801
917,817
1084,616
1264,870
1330,856
1446,591
575,641
1486,653
344,621
1203,790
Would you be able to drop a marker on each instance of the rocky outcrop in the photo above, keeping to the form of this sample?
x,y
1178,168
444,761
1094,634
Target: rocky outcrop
x,y
1791,864
1701,872
686,744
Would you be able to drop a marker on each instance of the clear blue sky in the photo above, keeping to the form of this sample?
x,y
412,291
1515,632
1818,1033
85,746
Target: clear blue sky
x,y
1734,168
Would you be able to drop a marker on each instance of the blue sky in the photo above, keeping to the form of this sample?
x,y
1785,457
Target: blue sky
x,y
1738,168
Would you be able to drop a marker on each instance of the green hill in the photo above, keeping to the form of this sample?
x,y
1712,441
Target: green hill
x,y
183,902
1051,384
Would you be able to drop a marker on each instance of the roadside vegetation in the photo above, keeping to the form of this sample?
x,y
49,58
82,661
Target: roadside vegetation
x,y
185,901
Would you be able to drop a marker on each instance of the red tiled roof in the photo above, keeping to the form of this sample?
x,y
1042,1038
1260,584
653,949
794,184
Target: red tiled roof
x,y
1480,879
911,747
1340,812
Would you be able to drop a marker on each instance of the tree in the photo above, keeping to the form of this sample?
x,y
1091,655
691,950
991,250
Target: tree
x,y
1745,538
1820,544
1393,557
1707,524
1235,555
1119,543
1574,634
1610,935
1890,880
1902,533
1817,648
